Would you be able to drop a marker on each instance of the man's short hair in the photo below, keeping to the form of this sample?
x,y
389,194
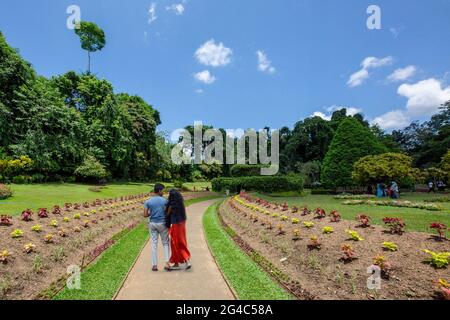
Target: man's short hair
x,y
158,188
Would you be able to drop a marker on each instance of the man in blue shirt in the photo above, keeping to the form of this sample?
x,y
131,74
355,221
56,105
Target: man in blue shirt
x,y
155,209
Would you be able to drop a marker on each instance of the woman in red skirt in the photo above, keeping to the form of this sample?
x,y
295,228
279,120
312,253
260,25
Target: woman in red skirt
x,y
178,243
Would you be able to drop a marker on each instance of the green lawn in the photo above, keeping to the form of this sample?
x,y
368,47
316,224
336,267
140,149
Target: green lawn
x,y
416,219
101,280
244,275
35,196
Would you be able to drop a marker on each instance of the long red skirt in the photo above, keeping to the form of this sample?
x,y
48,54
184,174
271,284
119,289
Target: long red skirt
x,y
178,243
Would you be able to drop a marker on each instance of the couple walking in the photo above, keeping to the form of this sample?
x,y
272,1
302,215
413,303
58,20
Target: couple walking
x,y
168,219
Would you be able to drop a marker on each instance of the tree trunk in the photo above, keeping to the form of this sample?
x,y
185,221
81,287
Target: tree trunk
x,y
89,62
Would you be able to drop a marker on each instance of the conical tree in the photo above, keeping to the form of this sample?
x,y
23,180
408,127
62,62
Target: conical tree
x,y
351,142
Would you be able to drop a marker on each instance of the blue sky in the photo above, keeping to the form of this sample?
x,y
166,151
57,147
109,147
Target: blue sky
x,y
251,63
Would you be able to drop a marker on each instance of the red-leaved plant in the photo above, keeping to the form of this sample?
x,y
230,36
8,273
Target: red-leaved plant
x,y
335,216
5,220
320,213
349,253
56,209
364,220
440,228
43,213
395,225
27,215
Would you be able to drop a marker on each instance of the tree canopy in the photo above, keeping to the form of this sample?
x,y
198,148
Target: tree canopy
x,y
382,168
351,142
92,38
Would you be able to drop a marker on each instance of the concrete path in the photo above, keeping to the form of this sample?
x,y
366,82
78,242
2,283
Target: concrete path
x,y
203,282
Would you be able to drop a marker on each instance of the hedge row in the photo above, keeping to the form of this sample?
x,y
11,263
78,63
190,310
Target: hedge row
x,y
246,170
261,183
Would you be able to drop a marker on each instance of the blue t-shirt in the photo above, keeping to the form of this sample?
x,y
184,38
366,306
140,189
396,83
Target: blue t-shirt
x,y
157,207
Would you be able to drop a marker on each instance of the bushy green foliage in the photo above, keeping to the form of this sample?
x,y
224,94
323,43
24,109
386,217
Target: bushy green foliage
x,y
351,142
260,183
91,170
246,170
383,167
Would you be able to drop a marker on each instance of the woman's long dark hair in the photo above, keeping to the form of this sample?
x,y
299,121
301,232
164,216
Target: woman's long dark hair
x,y
176,201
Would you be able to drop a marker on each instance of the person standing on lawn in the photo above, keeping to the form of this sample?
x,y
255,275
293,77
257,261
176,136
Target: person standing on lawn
x,y
431,187
176,212
155,209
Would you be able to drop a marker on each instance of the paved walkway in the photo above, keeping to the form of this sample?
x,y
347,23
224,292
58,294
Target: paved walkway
x,y
203,282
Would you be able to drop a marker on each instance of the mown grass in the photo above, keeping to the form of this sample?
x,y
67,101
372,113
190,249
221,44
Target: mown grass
x,y
416,219
35,196
243,274
102,280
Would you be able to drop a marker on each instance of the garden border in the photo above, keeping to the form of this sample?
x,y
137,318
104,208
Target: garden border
x,y
272,271
233,291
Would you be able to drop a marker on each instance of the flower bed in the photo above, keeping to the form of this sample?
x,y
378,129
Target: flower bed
x,y
42,245
354,196
401,204
331,261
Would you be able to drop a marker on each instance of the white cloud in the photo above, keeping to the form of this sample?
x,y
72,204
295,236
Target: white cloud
x,y
402,74
199,91
177,8
264,64
152,13
321,115
392,120
212,54
358,78
205,77
424,97
351,111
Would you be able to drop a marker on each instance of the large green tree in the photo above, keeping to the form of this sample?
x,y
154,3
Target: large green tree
x,y
351,142
382,168
92,38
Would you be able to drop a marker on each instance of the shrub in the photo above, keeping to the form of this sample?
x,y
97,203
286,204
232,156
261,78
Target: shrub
x,y
29,248
246,170
48,238
261,183
349,253
364,220
43,213
91,170
335,216
314,243
327,230
36,228
438,259
5,220
54,223
381,262
354,235
296,235
308,224
22,179
395,225
5,191
17,233
320,213
390,246
27,215
77,216
4,256
56,210
295,221
440,228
